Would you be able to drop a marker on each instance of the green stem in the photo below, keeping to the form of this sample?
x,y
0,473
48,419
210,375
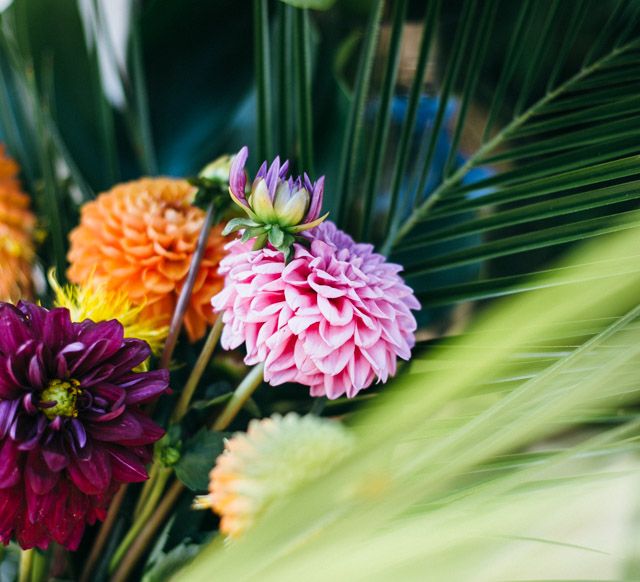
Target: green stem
x,y
185,293
246,388
197,372
146,489
146,526
145,515
148,532
103,535
39,566
26,563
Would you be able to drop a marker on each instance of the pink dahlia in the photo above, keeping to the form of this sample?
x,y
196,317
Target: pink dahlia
x,y
71,424
335,318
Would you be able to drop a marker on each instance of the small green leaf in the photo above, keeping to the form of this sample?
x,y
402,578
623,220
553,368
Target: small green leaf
x,y
203,404
276,236
198,457
312,4
253,232
238,223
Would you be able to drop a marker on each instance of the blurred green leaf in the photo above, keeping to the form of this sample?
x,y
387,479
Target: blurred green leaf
x,y
442,477
312,4
168,563
198,456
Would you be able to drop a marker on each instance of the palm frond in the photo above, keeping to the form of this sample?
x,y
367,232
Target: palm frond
x,y
558,154
441,484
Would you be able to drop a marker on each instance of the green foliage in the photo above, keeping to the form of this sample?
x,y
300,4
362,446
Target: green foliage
x,y
166,564
436,482
9,560
197,457
544,95
313,4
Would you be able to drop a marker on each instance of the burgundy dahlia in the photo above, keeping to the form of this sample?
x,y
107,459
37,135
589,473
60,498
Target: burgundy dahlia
x,y
71,424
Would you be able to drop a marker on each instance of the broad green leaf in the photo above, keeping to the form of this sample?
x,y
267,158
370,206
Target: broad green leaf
x,y
442,479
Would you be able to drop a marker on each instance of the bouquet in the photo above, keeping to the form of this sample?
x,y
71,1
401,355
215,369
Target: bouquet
x,y
359,302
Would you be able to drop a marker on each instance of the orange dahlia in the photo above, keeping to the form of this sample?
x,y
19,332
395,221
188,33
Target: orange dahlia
x,y
16,234
140,237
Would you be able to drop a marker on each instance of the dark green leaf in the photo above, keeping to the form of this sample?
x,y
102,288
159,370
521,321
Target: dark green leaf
x,y
199,455
167,564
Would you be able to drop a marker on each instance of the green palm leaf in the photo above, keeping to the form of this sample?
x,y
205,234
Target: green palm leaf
x,y
441,485
560,137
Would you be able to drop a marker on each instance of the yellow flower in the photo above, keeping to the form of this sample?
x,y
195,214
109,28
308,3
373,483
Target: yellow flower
x,y
97,303
275,456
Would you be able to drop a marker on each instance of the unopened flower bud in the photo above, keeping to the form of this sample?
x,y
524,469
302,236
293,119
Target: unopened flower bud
x,y
278,207
291,205
218,170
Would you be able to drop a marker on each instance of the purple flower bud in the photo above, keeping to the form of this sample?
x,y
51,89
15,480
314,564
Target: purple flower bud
x,y
293,205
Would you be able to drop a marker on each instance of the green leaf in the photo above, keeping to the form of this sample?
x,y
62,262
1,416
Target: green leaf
x,y
302,66
381,130
353,129
238,223
312,4
199,455
262,60
276,236
168,563
564,163
469,483
204,404
257,232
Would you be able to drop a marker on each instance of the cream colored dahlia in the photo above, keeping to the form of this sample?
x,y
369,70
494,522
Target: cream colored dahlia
x,y
274,457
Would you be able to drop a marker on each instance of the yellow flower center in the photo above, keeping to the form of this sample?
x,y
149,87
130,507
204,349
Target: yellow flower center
x,y
63,394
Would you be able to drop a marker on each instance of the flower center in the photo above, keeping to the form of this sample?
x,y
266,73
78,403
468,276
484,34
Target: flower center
x,y
63,394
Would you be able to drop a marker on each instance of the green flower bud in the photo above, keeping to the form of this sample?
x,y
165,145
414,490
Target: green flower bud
x,y
218,170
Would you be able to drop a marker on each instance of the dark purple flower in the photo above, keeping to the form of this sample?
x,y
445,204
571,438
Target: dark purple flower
x,y
71,424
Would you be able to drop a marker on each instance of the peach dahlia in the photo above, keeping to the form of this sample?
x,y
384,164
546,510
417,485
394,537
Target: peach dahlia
x,y
140,237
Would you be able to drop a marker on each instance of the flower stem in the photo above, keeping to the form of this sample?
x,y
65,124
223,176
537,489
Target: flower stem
x,y
147,532
246,388
151,518
103,535
39,566
145,514
146,489
187,289
201,364
33,566
26,562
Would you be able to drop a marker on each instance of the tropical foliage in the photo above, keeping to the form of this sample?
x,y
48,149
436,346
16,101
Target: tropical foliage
x,y
488,147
